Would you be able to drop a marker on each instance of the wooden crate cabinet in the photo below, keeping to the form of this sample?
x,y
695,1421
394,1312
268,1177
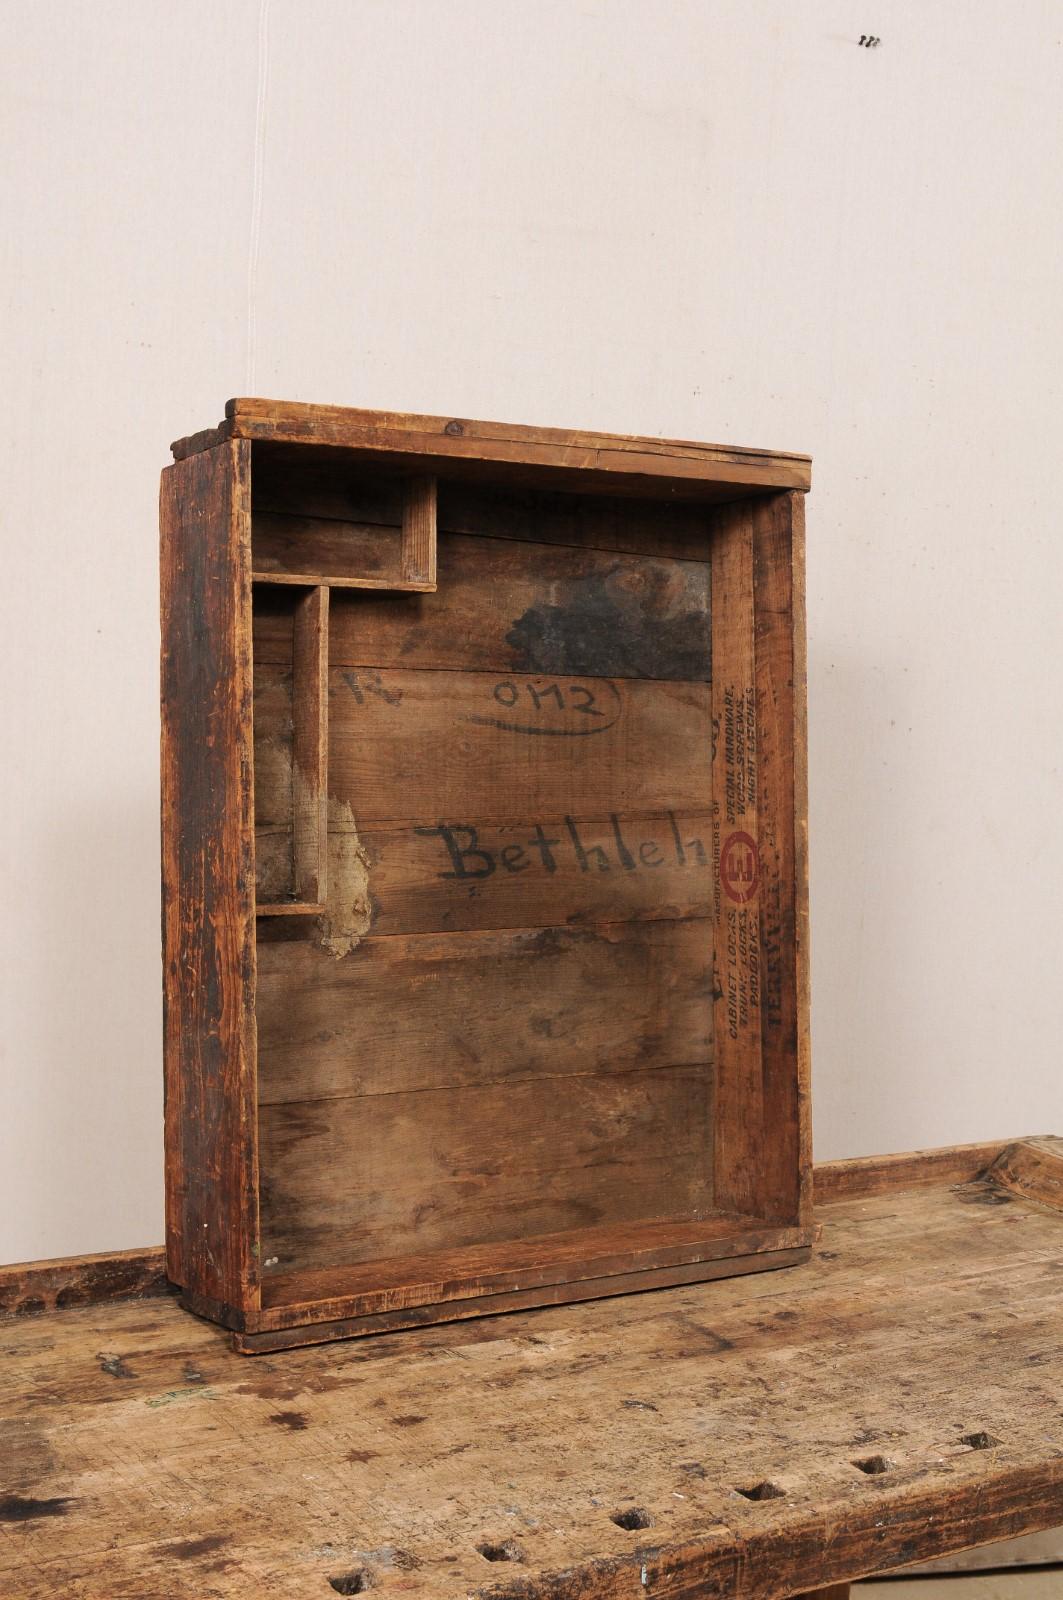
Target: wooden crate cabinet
x,y
484,868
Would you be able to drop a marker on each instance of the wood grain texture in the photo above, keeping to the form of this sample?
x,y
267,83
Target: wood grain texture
x,y
1032,1169
143,1459
551,610
310,691
305,549
867,1176
30,1288
740,1134
419,531
287,489
549,871
439,1299
760,853
625,458
440,747
785,1166
208,875
382,1176
496,1007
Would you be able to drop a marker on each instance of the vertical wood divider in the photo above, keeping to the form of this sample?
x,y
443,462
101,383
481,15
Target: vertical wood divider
x,y
419,532
310,745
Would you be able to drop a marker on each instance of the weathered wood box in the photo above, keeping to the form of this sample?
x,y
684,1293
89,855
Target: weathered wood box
x,y
485,923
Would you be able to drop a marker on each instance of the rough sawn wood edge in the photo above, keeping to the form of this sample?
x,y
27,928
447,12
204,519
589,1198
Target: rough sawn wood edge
x,y
460,438
1031,1167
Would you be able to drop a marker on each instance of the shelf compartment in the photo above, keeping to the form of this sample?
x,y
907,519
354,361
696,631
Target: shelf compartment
x,y
292,767
383,538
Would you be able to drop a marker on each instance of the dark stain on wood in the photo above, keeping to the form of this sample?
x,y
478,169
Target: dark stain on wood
x,y
192,1549
617,625
294,1420
26,1508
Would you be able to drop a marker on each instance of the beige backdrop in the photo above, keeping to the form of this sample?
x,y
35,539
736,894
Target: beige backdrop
x,y
718,219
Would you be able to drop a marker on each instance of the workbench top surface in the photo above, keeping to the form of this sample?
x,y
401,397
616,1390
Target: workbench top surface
x,y
898,1398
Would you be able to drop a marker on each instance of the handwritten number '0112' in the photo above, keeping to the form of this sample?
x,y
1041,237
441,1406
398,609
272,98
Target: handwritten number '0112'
x,y
580,698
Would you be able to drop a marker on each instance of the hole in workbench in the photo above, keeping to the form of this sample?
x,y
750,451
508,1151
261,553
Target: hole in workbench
x,y
980,1441
873,1465
632,1518
503,1550
356,1582
765,1490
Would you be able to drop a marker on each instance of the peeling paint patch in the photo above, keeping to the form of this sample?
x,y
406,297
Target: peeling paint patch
x,y
348,906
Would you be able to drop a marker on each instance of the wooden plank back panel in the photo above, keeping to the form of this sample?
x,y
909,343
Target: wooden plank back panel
x,y
445,747
294,498
208,869
439,1011
538,872
380,1176
505,606
432,1019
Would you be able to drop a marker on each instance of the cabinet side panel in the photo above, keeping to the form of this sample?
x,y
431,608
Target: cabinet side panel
x,y
778,596
760,809
740,1130
208,876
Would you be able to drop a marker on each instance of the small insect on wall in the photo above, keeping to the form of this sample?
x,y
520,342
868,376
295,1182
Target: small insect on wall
x,y
485,929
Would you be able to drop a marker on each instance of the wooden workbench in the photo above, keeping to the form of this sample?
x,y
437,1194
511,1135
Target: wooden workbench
x,y
898,1398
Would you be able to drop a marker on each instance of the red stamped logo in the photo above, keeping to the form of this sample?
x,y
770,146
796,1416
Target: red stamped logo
x,y
739,867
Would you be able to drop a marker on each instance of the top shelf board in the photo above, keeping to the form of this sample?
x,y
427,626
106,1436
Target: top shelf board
x,y
455,447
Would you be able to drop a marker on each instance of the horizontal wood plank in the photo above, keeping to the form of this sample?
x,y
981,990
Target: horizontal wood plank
x,y
459,1010
454,440
552,609
301,491
287,1327
861,1176
437,747
543,872
31,1287
389,1175
605,1250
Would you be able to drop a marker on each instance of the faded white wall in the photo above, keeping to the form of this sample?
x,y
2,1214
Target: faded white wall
x,y
718,219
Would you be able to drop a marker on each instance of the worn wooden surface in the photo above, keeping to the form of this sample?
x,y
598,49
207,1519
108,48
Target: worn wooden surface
x,y
208,920
896,1399
29,1288
568,457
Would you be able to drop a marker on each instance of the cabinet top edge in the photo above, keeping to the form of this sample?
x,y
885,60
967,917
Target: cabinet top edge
x,y
442,439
